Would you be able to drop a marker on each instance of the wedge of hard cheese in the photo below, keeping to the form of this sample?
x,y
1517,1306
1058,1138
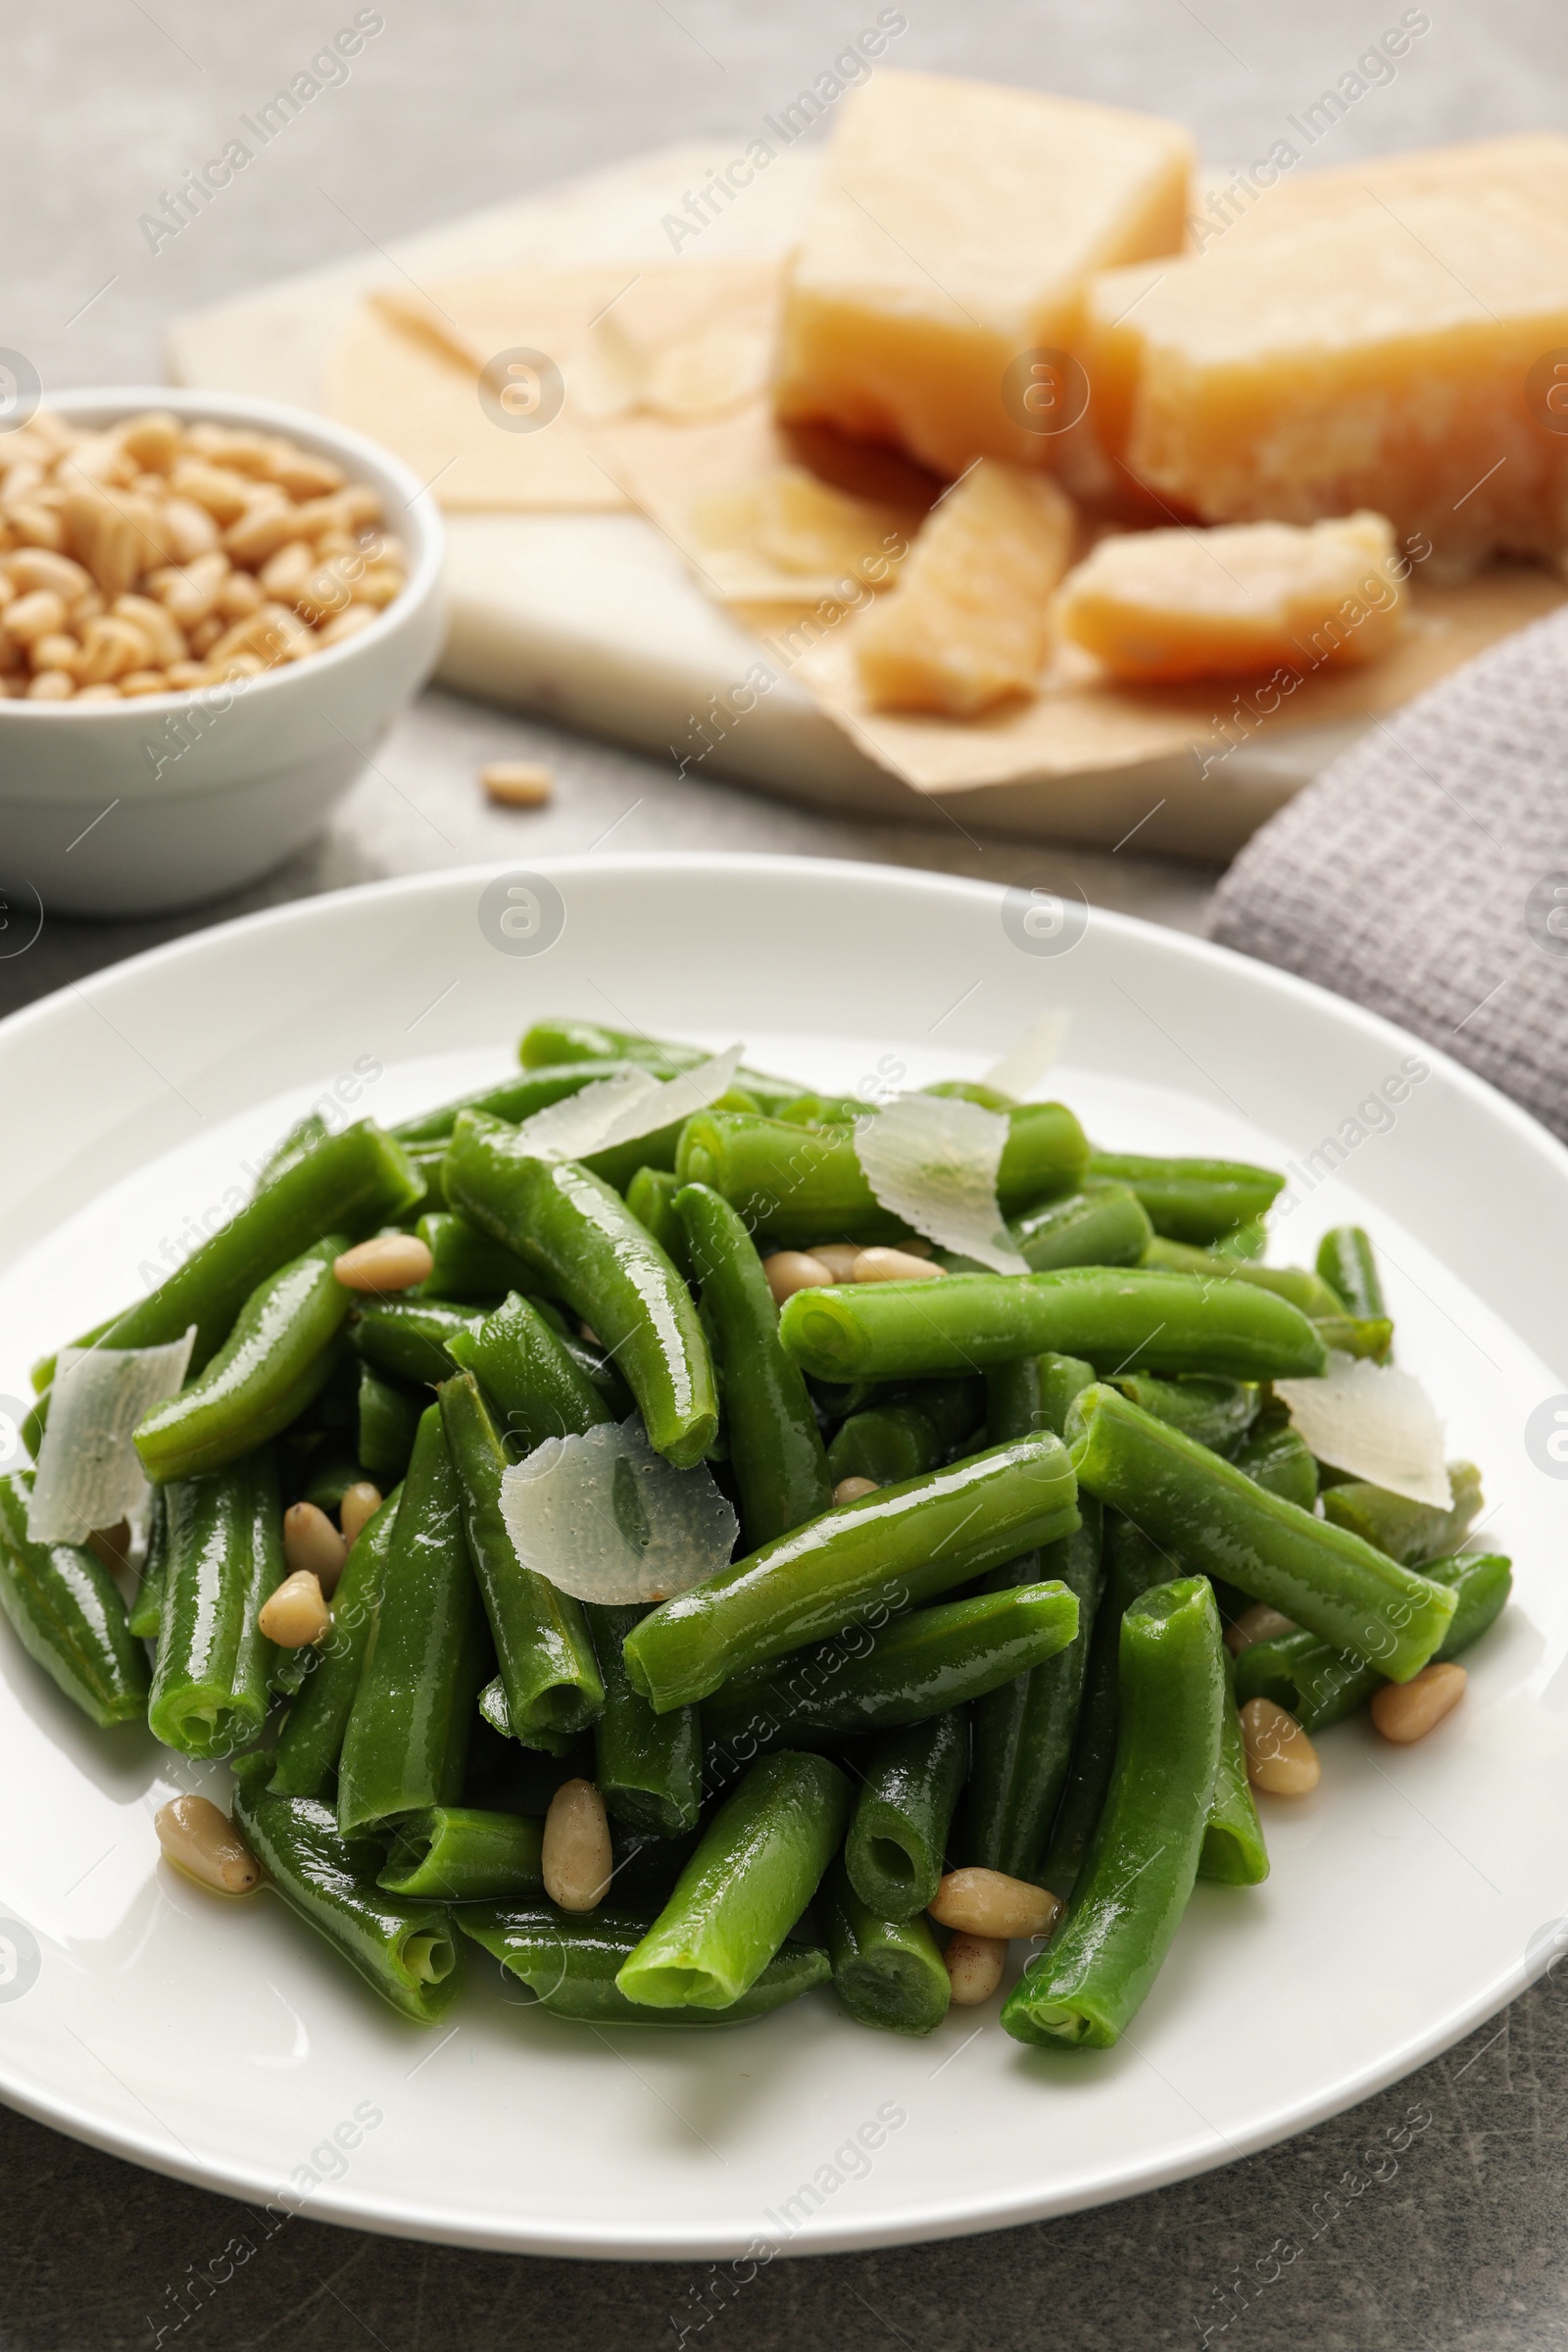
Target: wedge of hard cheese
x,y
1381,358
967,623
1161,606
1527,168
954,232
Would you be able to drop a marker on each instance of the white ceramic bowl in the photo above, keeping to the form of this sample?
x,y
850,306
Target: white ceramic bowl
x,y
140,806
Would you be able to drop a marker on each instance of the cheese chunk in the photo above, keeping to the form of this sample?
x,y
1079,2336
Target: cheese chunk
x,y
1529,167
788,533
952,236
1158,605
968,623
1380,357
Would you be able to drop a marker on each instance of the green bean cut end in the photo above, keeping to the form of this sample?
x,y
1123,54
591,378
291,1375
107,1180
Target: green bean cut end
x,y
429,1958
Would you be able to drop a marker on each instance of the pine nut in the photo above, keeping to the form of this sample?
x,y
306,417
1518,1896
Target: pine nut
x,y
575,1859
1404,1712
110,648
304,475
357,1508
222,493
60,651
893,1265
296,1614
37,568
190,591
518,783
40,614
1259,1622
191,530
974,1965
103,691
347,624
37,525
377,584
792,1270
152,440
143,681
987,1902
284,573
156,624
52,686
202,1841
850,1489
1281,1759
392,1261
840,1258
266,525
312,1546
239,595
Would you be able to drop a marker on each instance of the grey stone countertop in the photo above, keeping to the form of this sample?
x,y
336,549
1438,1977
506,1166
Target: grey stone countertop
x,y
1434,2216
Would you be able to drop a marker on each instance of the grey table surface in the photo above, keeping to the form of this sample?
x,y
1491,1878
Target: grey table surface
x,y
1436,2215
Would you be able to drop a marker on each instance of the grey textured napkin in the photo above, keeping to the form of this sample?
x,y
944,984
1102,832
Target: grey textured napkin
x,y
1425,872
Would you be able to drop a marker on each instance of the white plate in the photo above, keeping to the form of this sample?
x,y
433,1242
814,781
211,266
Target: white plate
x,y
230,2047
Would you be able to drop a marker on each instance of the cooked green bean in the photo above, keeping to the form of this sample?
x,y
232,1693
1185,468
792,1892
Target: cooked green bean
x,y
544,1649
225,1556
581,1235
1061,1379
1349,1336
465,1263
1320,1686
1132,1565
902,1544
406,1949
775,1448
1214,1412
312,1737
459,1854
1277,1457
649,1768
515,1099
548,1044
147,1610
1102,1225
651,1198
1121,1318
1234,1853
65,1609
1303,1289
406,1738
1347,1263
1093,1977
1192,1200
388,1421
408,1339
569,1963
1408,1532
887,1972
1321,1576
757,1866
912,1429
910,1783
537,1385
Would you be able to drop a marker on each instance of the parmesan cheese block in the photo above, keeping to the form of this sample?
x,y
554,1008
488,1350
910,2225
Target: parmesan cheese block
x,y
967,623
1160,606
1380,357
1528,169
954,232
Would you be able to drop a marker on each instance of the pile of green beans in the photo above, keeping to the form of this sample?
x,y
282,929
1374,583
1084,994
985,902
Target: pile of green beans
x,y
997,1653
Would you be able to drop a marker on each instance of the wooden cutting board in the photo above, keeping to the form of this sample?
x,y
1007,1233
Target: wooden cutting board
x,y
592,619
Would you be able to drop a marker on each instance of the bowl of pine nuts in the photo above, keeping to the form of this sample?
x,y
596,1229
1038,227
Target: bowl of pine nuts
x,y
211,611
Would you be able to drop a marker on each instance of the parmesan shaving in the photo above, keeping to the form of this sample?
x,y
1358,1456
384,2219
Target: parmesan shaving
x,y
605,1518
932,1159
1027,1060
90,1473
625,1108
1375,1421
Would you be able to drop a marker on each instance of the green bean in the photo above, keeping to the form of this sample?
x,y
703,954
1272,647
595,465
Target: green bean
x,y
548,1044
569,1963
651,1198
803,1185
819,1110
1234,1853
515,1099
775,1446
65,1609
275,1359
457,1854
409,1340
406,1741
225,1556
920,1665
914,1429
1408,1532
404,1949
647,1767
1024,1731
495,1716
570,1225
1214,1412
327,1476
311,1740
304,1136
1102,1225
757,1866
543,1645
1320,1686
1349,1336
1197,1200
1347,1263
1061,1379
1245,1241
1121,1318
887,1972
896,1850
1132,1565
465,1263
538,1388
902,1544
388,1420
1275,1456
147,1610
1303,1289
1091,1979
1319,1575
